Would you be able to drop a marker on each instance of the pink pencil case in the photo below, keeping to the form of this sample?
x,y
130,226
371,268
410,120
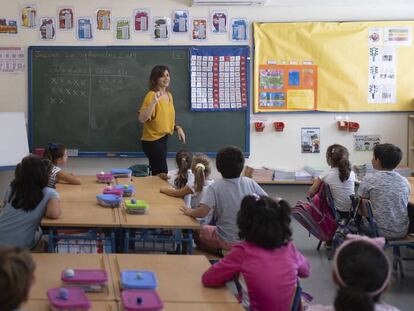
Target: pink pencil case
x,y
90,280
113,190
104,177
64,299
141,299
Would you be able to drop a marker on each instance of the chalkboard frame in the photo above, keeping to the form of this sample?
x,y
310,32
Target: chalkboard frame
x,y
140,154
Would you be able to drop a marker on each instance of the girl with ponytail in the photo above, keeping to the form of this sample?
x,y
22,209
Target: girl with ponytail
x,y
340,179
267,259
196,181
362,272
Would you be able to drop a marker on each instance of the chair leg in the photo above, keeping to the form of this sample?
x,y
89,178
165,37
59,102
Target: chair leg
x,y
397,261
319,245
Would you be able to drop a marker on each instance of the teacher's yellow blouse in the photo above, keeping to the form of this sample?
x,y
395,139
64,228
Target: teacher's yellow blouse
x,y
162,120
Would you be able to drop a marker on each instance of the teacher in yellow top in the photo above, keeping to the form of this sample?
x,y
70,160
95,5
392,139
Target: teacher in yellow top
x,y
158,116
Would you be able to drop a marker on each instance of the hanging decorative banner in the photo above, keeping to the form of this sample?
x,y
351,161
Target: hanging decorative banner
x,y
8,26
66,18
218,20
219,78
199,29
141,20
160,28
103,19
180,22
122,29
47,28
239,29
28,16
85,28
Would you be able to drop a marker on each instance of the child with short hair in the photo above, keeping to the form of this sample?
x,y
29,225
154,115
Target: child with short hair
x,y
178,177
388,192
223,197
28,199
16,277
340,179
267,260
362,271
58,155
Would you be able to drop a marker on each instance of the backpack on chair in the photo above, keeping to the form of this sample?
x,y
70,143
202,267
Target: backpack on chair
x,y
318,215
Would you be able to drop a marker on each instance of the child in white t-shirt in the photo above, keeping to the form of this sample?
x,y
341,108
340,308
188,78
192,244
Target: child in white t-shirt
x,y
340,179
178,177
197,182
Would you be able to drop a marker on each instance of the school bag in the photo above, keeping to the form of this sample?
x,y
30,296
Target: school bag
x,y
318,214
355,223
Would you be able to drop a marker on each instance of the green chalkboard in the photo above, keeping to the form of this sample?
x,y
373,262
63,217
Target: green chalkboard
x,y
88,98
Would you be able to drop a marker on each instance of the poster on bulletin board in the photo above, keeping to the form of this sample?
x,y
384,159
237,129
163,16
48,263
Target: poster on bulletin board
x,y
334,66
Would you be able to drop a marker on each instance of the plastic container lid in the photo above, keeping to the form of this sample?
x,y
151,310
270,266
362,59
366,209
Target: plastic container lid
x,y
135,204
113,190
109,199
137,279
74,298
121,171
125,188
85,276
137,299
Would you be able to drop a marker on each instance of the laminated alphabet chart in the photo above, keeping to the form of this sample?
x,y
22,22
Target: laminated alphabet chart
x,y
219,78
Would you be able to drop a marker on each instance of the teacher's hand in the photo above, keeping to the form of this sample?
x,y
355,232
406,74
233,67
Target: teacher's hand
x,y
181,134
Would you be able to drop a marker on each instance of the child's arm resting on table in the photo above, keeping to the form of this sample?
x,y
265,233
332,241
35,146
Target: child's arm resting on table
x,y
201,211
223,271
53,209
314,188
178,193
68,178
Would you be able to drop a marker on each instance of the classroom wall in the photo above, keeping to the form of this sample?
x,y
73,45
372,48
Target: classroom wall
x,y
269,148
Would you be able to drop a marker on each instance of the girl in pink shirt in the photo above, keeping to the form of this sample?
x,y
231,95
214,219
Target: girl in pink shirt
x,y
267,260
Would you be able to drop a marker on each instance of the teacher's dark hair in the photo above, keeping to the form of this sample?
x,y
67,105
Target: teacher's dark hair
x,y
156,73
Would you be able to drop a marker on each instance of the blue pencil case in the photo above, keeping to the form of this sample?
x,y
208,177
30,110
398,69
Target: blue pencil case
x,y
138,279
109,200
121,173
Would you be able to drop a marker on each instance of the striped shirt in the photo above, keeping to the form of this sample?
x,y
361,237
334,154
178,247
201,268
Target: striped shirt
x,y
52,176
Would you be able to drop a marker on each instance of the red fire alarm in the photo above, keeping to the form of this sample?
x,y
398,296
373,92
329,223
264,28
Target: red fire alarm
x,y
259,126
279,126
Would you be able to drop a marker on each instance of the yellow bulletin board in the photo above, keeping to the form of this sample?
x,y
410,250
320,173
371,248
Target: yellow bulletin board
x,y
334,66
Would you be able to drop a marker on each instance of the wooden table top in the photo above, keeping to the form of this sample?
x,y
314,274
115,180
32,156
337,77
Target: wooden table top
x,y
50,266
179,277
44,305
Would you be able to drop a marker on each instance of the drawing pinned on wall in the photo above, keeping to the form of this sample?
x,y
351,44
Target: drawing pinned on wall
x,y
199,29
239,29
28,16
141,20
180,21
310,139
160,28
218,20
122,29
66,17
85,28
375,36
366,142
47,29
103,19
8,26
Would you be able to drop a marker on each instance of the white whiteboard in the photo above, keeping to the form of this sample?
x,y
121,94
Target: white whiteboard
x,y
13,138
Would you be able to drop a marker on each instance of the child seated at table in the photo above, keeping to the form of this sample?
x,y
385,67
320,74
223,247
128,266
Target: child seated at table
x,y
267,259
178,177
362,272
58,155
28,199
16,277
388,192
223,197
197,183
